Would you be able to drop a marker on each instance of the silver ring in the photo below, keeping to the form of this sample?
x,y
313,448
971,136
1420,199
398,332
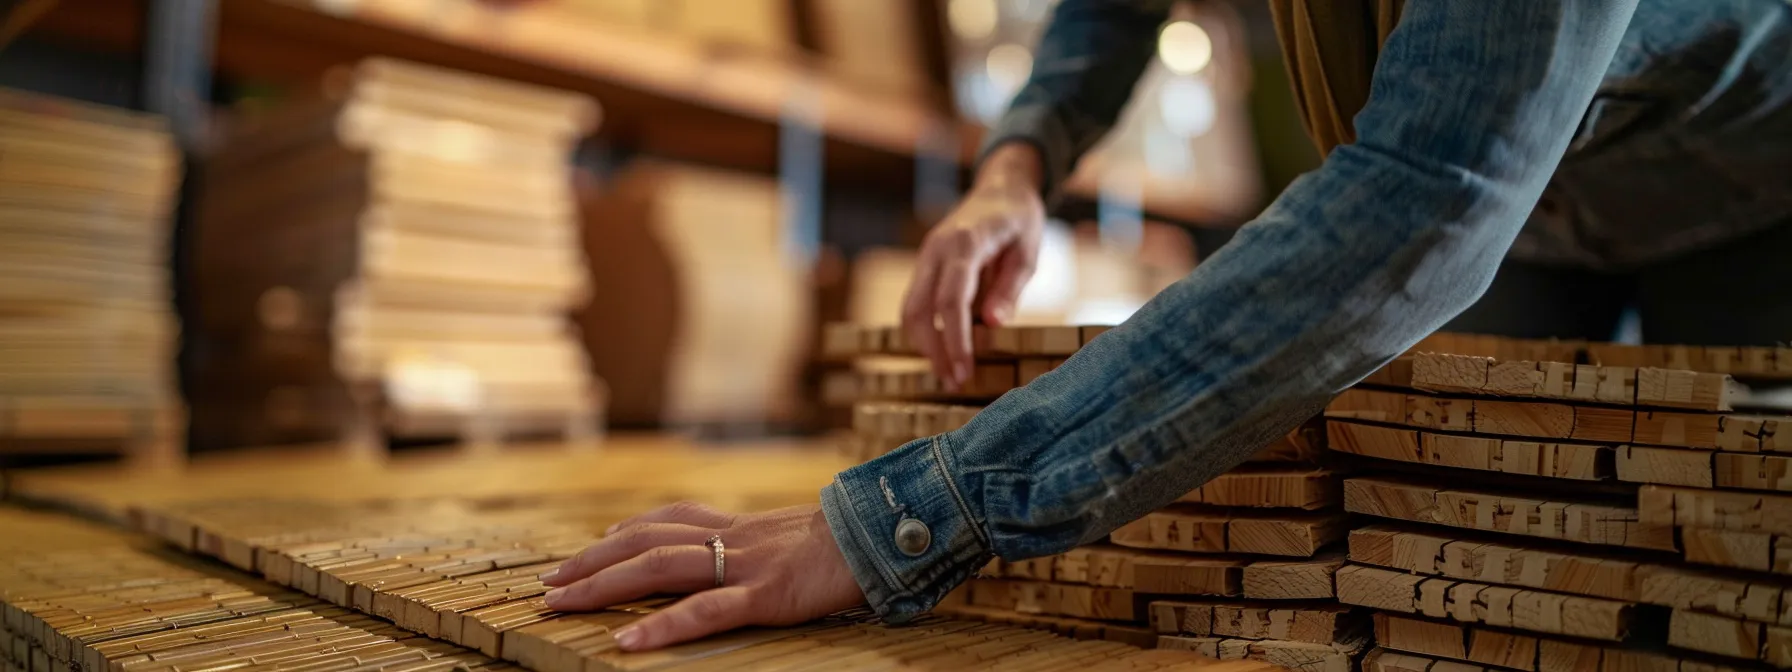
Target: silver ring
x,y
715,544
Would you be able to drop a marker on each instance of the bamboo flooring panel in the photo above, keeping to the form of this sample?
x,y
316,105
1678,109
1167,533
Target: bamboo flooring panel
x,y
1312,622
1287,655
844,341
1753,363
1612,576
1564,381
1053,599
1162,573
1508,650
1474,602
1202,530
1552,459
1566,520
1505,418
79,597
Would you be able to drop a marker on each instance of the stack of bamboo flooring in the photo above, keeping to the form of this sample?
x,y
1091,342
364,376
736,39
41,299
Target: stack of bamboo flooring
x,y
1545,515
1240,568
87,331
395,258
465,572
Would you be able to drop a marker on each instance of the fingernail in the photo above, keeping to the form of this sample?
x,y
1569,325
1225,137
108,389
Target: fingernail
x,y
629,637
548,575
553,597
1003,312
611,529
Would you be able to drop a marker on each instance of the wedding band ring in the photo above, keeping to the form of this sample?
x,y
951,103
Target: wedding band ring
x,y
715,545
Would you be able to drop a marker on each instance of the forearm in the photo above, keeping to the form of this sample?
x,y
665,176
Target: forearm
x,y
1350,266
1084,69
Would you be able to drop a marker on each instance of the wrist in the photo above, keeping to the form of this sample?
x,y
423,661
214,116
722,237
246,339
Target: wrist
x,y
1012,164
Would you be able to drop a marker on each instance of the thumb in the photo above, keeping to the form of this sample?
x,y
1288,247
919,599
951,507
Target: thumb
x,y
1008,275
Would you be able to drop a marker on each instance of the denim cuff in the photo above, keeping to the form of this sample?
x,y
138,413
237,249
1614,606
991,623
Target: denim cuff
x,y
1039,126
878,511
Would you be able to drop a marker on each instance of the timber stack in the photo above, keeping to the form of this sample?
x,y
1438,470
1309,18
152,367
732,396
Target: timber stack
x,y
1556,511
360,587
1239,569
395,258
87,333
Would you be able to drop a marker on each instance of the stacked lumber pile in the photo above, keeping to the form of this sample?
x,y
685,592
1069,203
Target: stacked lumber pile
x,y
1240,568
1747,363
1550,515
87,331
396,258
465,572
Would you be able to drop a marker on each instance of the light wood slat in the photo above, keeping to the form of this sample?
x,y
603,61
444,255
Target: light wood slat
x,y
1587,383
1195,530
1315,622
1573,461
1299,656
1731,432
1565,520
1473,602
1516,651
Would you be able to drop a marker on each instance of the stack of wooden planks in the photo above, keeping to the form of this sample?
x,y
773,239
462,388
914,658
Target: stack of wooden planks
x,y
74,597
1240,568
87,330
1524,533
395,257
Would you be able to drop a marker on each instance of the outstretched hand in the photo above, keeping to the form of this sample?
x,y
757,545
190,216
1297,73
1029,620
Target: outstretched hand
x,y
782,568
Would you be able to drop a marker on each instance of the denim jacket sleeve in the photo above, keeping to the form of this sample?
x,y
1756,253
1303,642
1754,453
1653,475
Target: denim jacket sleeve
x,y
1091,55
1472,107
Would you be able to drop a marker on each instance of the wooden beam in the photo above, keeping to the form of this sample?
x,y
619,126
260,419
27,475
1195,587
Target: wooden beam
x,y
1731,432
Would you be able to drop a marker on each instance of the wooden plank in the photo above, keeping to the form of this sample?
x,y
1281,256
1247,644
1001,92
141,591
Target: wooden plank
x,y
1270,487
1469,602
1584,523
1666,466
1623,385
1319,623
1715,634
1575,461
1716,510
1510,564
1752,472
1733,432
1510,650
1299,534
1292,579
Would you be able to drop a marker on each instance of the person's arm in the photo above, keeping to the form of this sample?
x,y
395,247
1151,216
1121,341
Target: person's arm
x,y
1088,60
1473,105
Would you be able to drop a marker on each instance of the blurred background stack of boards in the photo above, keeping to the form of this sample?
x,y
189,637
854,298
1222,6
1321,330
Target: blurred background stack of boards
x,y
392,223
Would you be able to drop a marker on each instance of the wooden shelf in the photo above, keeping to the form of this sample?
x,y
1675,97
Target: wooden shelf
x,y
660,93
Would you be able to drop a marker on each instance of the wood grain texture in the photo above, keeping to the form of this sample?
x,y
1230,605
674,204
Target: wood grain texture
x,y
1584,523
1574,461
1474,602
1299,534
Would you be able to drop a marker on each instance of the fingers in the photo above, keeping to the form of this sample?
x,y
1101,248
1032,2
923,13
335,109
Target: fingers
x,y
686,513
1009,274
626,543
918,311
952,298
665,569
699,615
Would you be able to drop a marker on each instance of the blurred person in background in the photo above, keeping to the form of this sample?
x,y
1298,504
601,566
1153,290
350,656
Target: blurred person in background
x,y
1522,167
